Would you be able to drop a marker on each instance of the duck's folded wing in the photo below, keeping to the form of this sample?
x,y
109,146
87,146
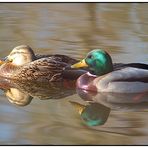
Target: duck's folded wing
x,y
118,66
47,69
128,80
58,57
41,70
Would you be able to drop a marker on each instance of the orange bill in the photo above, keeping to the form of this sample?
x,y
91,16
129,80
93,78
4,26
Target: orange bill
x,y
2,62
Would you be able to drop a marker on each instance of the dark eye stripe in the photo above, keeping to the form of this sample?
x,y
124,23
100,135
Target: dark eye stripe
x,y
18,53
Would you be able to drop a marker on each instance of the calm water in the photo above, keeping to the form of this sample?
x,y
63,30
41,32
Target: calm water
x,y
37,114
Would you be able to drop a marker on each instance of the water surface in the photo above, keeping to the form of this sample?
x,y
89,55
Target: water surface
x,y
74,29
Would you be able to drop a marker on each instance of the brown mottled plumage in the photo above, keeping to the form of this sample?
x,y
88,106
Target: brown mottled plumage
x,y
23,64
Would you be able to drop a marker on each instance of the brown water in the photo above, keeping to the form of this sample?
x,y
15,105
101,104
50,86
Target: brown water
x,y
48,117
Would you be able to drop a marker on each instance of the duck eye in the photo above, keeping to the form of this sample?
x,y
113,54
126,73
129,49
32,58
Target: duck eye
x,y
89,56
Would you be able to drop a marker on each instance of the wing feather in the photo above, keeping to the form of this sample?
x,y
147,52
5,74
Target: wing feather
x,y
125,80
41,70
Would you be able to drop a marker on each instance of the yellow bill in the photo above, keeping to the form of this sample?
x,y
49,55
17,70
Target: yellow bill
x,y
80,64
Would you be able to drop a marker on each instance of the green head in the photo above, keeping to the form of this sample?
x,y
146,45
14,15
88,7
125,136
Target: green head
x,y
98,61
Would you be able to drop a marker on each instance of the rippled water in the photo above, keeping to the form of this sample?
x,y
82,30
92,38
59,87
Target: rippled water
x,y
51,117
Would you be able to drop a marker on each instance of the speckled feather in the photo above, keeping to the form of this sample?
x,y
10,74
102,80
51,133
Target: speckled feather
x,y
44,69
22,64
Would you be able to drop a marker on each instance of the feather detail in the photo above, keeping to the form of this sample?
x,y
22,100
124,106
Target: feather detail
x,y
127,80
22,64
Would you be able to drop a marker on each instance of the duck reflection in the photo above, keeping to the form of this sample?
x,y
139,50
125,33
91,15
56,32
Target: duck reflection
x,y
18,97
117,101
22,93
111,112
93,114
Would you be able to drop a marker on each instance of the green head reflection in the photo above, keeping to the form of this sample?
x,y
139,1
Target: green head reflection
x,y
94,114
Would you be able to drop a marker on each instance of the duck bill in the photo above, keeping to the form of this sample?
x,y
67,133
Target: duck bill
x,y
1,62
4,60
80,64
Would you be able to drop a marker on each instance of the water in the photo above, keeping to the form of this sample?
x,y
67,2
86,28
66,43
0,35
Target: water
x,y
45,115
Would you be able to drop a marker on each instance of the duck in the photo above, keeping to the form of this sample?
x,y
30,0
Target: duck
x,y
108,77
22,64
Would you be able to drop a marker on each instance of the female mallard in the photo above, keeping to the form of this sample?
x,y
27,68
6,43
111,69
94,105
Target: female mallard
x,y
23,64
108,77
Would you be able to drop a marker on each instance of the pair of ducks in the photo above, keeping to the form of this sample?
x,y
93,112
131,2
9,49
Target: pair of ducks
x,y
102,75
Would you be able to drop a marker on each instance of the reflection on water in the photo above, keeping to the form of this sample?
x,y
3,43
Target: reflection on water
x,y
22,93
117,101
101,104
104,113
93,114
41,113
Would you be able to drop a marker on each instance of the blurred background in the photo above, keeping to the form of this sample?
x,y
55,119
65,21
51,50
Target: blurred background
x,y
76,28
72,29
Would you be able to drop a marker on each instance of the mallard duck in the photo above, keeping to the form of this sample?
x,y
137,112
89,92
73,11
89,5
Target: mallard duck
x,y
104,76
23,64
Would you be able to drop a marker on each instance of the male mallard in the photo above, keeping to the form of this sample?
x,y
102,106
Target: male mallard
x,y
23,64
108,77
